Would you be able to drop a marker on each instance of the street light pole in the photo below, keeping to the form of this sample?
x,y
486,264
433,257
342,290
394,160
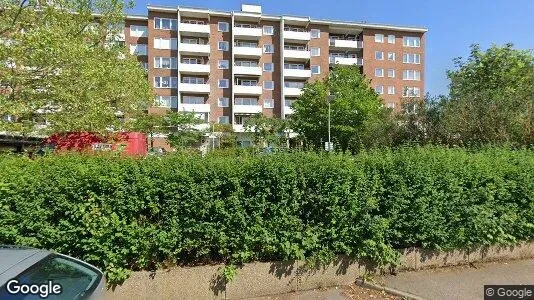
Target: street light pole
x,y
329,99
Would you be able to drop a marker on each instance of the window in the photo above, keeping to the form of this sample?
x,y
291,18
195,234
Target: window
x,y
411,91
246,63
315,51
391,73
391,56
246,101
193,41
268,85
170,44
315,33
223,64
223,83
193,100
247,44
379,72
268,67
138,31
144,65
268,30
379,38
223,102
223,46
268,48
202,116
294,84
379,55
223,120
165,62
316,69
411,58
391,90
166,101
193,80
246,82
164,23
391,39
379,89
268,103
411,41
138,49
165,82
223,26
289,102
294,66
192,61
411,75
390,105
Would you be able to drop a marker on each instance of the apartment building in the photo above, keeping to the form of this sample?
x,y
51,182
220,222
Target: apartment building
x,y
228,66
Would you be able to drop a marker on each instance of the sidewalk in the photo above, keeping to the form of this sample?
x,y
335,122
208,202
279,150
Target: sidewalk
x,y
462,282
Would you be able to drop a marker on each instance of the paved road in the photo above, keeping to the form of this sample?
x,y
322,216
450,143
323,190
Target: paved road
x,y
461,282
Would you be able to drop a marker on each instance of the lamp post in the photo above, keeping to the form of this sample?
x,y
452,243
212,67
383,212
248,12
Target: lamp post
x,y
329,99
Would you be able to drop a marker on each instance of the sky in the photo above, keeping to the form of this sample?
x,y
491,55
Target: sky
x,y
453,25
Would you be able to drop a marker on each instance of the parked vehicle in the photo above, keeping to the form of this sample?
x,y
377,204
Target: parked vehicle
x,y
28,273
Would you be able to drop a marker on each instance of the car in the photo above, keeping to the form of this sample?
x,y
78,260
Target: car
x,y
29,273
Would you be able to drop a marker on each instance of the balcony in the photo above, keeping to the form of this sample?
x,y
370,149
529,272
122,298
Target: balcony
x,y
297,35
195,29
247,109
346,44
247,51
200,108
239,128
297,54
248,89
194,48
194,88
346,60
241,70
247,32
194,68
292,92
297,73
288,110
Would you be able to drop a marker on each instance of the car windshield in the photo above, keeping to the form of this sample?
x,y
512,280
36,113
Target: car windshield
x,y
76,279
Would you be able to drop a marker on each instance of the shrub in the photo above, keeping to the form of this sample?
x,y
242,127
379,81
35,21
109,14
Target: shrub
x,y
125,214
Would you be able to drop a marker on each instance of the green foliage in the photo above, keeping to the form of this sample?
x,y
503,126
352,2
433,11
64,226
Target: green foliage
x,y
229,272
124,214
62,65
354,109
267,131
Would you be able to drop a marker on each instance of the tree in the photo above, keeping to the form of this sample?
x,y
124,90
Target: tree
x,y
267,131
149,124
182,129
59,63
355,107
491,97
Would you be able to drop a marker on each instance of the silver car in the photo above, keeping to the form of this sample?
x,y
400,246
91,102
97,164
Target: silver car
x,y
27,273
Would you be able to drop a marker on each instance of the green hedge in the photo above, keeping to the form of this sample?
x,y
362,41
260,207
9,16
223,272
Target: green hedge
x,y
126,214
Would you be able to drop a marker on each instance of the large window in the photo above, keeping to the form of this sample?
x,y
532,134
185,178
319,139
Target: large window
x,y
241,119
294,66
411,41
289,102
166,101
138,31
165,62
246,101
193,80
246,63
294,84
169,44
193,100
165,82
246,44
411,75
138,49
164,23
411,58
379,38
246,82
411,91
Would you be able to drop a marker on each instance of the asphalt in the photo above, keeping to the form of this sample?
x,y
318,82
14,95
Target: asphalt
x,y
463,282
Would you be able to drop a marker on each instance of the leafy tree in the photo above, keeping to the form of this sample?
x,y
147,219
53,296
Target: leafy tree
x,y
354,109
491,97
149,124
267,131
228,138
59,62
182,131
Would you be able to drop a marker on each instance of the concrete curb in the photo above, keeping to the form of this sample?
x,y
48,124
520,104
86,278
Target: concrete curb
x,y
392,291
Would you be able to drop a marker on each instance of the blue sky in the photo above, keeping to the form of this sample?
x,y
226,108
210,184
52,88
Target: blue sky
x,y
453,24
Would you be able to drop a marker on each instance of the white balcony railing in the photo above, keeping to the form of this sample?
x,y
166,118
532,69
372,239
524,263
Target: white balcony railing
x,y
248,89
297,73
194,68
194,28
194,48
239,128
298,54
194,88
294,92
346,61
242,31
248,70
297,35
248,51
247,109
346,44
201,108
